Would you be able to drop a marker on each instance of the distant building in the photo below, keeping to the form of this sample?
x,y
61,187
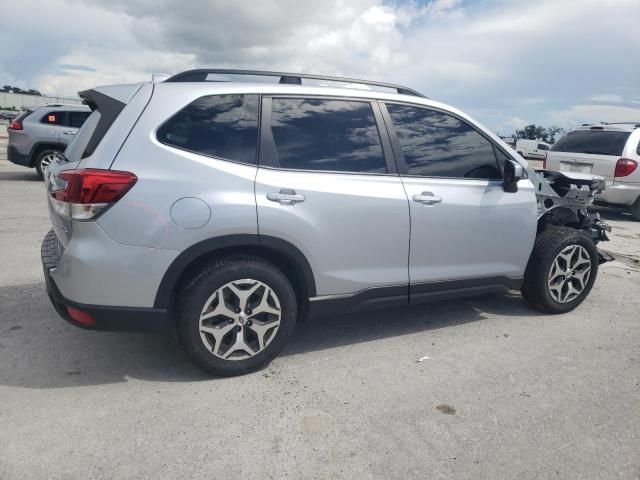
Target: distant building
x,y
20,100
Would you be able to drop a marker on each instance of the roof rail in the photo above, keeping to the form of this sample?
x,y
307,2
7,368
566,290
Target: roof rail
x,y
200,75
634,124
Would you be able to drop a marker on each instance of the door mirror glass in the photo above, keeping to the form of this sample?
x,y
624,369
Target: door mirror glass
x,y
513,172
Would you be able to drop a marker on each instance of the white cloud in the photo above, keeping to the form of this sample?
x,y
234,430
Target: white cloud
x,y
607,98
498,60
579,114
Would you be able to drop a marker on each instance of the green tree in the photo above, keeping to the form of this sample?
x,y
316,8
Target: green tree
x,y
554,133
538,132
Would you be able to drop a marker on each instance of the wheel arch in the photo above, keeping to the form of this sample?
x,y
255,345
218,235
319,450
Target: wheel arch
x,y
39,147
281,253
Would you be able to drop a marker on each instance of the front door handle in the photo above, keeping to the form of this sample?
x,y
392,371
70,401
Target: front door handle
x,y
427,198
69,132
285,196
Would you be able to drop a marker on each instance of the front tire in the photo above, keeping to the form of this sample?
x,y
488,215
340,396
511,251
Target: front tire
x,y
44,159
561,271
236,315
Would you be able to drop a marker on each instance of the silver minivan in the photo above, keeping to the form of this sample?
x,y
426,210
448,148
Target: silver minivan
x,y
236,209
611,150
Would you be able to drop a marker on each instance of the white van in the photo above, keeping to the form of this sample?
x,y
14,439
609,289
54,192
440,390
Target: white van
x,y
532,149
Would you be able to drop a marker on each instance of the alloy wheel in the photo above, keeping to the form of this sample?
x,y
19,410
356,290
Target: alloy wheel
x,y
569,274
240,319
46,161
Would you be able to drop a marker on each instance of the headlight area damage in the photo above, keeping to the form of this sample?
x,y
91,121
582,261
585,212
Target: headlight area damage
x,y
564,199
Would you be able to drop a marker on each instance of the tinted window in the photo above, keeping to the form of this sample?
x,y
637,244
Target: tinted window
x,y
223,126
435,144
76,119
53,118
597,142
333,135
542,146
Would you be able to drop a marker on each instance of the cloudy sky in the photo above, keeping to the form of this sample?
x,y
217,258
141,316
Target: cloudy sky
x,y
507,63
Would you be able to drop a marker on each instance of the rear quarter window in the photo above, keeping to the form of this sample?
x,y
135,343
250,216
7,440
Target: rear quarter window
x,y
221,126
595,142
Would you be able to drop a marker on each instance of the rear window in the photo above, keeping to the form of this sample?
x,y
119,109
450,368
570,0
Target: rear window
x,y
595,142
223,126
22,116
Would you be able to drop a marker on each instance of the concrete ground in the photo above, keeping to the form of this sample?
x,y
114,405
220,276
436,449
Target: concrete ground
x,y
505,392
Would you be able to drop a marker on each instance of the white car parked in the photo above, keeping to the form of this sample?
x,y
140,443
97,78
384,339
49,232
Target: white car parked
x,y
532,149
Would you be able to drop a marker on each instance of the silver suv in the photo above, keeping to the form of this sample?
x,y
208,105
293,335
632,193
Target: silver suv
x,y
611,150
37,136
235,210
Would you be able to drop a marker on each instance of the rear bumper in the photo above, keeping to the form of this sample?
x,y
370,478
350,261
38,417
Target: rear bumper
x,y
14,156
96,317
619,193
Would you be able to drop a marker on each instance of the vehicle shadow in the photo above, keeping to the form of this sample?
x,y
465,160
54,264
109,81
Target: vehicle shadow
x,y
612,213
39,350
26,176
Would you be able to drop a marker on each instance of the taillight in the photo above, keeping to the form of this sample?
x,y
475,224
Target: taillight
x,y
625,166
15,125
89,192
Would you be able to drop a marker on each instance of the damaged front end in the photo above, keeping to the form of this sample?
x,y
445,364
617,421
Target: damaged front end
x,y
564,199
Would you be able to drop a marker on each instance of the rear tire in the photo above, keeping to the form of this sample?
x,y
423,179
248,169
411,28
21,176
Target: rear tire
x,y
635,209
44,159
561,271
236,315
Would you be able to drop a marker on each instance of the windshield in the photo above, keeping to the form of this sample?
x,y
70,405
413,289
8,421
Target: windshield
x,y
74,150
596,142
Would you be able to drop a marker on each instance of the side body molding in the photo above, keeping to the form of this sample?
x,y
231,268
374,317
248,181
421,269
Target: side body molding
x,y
210,246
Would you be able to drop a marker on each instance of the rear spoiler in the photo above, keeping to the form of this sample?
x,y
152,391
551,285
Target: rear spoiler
x,y
109,109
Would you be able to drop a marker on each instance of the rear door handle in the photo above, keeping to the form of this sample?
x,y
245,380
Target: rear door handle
x,y
285,196
427,198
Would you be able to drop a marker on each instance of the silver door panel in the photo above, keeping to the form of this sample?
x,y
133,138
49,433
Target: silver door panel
x,y
472,229
353,229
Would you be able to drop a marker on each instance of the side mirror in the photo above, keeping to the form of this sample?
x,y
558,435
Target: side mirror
x,y
512,174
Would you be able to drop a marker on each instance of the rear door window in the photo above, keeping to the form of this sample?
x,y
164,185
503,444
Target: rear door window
x,y
54,118
542,146
326,135
435,144
596,142
222,126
